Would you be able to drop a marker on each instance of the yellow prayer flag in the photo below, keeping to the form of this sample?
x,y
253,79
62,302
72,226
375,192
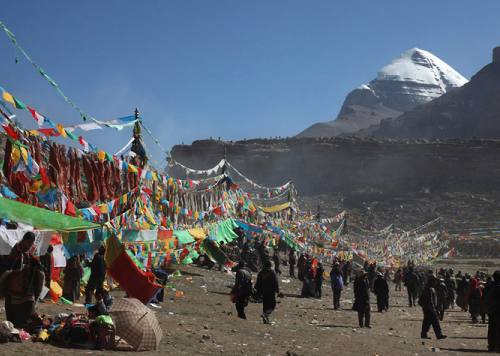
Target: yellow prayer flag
x,y
24,154
132,168
104,208
8,97
15,155
61,130
101,155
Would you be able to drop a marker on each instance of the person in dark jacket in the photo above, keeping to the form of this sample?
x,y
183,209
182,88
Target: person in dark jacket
x,y
442,298
362,299
462,289
337,285
381,290
73,273
428,302
24,283
291,263
474,299
301,267
47,262
267,287
451,286
398,279
319,279
493,309
411,283
346,272
97,275
242,289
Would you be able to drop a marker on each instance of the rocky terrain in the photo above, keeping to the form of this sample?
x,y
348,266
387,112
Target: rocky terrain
x,y
379,182
204,322
416,77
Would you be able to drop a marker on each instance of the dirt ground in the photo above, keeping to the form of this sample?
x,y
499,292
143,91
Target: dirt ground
x,y
204,321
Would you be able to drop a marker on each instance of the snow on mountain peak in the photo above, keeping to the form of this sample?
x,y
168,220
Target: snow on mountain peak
x,y
420,66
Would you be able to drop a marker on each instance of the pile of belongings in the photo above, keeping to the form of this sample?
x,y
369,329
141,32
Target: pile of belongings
x,y
128,321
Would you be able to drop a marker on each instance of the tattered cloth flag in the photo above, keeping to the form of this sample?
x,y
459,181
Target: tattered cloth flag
x,y
132,280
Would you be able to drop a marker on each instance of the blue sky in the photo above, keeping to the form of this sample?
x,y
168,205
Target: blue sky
x,y
228,68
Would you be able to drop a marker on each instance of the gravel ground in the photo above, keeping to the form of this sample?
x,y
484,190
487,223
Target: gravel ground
x,y
204,321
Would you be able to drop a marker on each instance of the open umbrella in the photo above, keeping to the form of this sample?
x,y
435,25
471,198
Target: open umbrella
x,y
136,324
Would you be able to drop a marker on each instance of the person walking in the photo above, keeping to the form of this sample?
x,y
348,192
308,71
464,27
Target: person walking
x,y
462,289
442,298
319,279
493,311
242,289
291,263
474,299
451,286
73,273
411,283
398,279
267,287
97,275
381,290
47,261
428,302
301,267
346,272
337,283
362,299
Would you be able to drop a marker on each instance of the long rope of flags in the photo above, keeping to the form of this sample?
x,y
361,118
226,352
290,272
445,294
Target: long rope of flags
x,y
116,125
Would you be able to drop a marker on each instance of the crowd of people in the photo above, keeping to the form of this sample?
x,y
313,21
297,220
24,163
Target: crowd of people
x,y
433,292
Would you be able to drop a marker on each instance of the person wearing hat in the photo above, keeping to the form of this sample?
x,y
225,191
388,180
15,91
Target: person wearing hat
x,y
381,290
267,287
362,298
24,283
242,289
428,302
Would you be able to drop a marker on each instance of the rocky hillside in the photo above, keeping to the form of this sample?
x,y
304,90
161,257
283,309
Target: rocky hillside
x,y
407,182
356,167
416,77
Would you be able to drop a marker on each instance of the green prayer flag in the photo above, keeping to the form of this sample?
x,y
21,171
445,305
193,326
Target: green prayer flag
x,y
19,104
42,218
183,236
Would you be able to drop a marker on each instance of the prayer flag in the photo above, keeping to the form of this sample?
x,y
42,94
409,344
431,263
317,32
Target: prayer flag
x,y
38,117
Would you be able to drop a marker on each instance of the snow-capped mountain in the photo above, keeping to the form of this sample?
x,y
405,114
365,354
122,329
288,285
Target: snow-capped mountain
x,y
416,77
472,110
